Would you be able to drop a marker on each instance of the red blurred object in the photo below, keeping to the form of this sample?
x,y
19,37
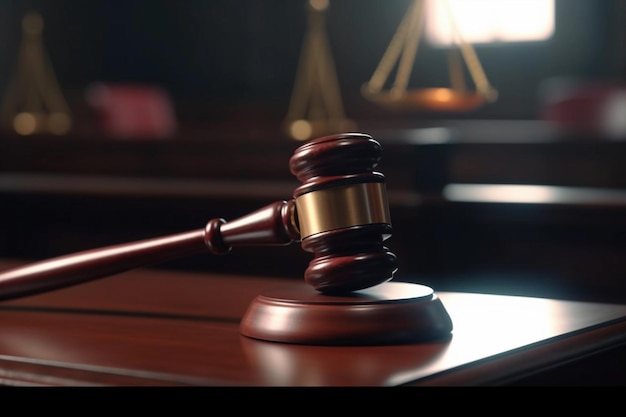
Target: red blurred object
x,y
133,110
586,107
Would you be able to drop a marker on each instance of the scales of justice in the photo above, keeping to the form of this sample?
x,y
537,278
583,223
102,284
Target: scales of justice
x,y
402,51
316,106
34,102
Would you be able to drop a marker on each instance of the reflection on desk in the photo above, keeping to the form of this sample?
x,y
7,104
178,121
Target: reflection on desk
x,y
151,327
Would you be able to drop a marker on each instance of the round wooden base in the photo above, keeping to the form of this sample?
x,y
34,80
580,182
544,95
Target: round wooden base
x,y
389,313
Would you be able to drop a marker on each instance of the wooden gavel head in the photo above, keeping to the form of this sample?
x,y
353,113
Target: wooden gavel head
x,y
342,213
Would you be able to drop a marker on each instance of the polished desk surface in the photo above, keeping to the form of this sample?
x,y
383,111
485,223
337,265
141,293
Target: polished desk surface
x,y
156,327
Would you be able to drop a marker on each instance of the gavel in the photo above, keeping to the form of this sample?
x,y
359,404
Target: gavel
x,y
340,213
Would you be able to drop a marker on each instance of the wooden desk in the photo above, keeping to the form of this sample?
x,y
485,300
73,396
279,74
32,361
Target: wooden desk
x,y
154,327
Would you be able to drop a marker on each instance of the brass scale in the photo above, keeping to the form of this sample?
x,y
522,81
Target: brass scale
x,y
33,102
316,106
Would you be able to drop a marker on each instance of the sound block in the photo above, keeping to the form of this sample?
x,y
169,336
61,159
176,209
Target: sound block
x,y
389,313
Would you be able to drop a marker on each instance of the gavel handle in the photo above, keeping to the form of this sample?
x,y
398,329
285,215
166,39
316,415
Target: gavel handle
x,y
272,225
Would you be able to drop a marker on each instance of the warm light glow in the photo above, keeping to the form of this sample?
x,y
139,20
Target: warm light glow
x,y
319,5
25,123
484,21
442,95
301,130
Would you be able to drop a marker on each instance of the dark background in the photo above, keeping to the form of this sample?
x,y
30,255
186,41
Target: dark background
x,y
229,67
246,51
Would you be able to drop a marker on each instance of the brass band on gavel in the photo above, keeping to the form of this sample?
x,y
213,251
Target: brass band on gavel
x,y
335,208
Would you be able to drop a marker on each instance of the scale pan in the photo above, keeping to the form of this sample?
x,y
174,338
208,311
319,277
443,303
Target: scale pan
x,y
434,99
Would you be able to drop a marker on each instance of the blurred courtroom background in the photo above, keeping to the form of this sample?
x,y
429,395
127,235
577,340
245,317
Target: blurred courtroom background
x,y
523,195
